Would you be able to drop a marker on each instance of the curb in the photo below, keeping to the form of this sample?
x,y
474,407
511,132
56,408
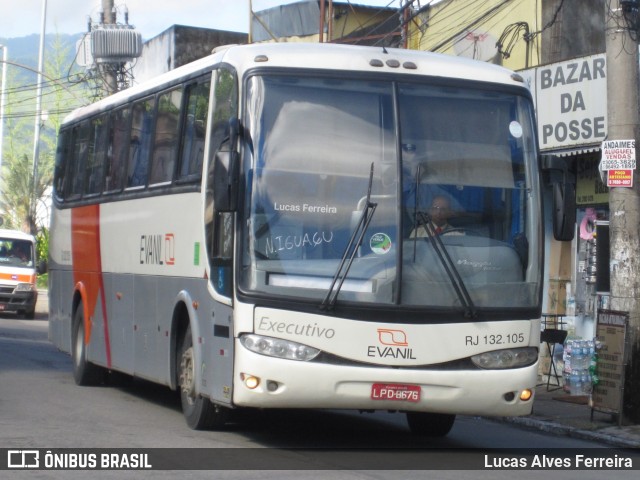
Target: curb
x,y
559,429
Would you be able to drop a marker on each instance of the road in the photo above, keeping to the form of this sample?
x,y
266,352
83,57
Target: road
x,y
41,407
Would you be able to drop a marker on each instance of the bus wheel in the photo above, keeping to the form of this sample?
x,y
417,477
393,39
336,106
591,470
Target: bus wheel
x,y
198,411
84,372
430,424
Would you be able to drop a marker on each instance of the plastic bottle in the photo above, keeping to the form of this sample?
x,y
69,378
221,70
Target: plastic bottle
x,y
574,383
577,357
593,360
578,385
567,382
586,382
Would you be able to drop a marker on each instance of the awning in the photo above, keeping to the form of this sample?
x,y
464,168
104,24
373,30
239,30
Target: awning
x,y
571,152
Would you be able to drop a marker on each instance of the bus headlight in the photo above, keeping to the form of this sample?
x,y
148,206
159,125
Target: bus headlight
x,y
507,358
275,347
24,287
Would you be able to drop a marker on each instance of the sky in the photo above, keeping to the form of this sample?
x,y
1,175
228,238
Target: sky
x,y
150,17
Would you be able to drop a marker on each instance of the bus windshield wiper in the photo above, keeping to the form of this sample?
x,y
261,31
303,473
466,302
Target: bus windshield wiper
x,y
424,219
350,251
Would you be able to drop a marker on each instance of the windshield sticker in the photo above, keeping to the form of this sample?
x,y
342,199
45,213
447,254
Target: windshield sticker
x,y
306,208
281,243
516,129
380,243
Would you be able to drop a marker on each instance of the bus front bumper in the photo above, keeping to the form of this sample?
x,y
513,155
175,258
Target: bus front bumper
x,y
267,382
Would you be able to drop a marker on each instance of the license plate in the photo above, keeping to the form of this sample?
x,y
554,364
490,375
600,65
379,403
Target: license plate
x,y
2,306
398,392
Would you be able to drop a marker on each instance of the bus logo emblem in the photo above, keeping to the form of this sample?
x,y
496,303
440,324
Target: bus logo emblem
x,y
158,249
397,338
169,245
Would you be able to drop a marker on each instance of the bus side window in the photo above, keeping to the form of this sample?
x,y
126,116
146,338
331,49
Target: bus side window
x,y
165,145
225,108
60,176
219,225
195,126
222,254
79,150
141,129
96,155
117,150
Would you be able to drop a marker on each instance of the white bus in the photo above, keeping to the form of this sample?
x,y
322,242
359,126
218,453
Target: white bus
x,y
255,230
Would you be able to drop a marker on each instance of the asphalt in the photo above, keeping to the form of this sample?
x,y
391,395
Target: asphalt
x,y
554,411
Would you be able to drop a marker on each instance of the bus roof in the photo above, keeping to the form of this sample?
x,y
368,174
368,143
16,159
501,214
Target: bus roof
x,y
321,56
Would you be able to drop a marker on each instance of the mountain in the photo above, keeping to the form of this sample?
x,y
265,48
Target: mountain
x,y
25,51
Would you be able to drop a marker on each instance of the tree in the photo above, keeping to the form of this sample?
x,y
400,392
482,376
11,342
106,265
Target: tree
x,y
17,192
59,97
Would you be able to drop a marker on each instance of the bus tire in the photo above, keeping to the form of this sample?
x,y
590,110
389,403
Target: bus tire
x,y
199,412
428,424
84,372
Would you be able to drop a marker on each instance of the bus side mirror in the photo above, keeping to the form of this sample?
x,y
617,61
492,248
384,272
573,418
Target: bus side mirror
x,y
226,169
564,197
225,181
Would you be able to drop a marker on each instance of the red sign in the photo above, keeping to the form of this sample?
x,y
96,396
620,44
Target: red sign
x,y
620,178
405,393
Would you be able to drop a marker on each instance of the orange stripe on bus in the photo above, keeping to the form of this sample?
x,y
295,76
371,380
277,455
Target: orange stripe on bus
x,y
87,265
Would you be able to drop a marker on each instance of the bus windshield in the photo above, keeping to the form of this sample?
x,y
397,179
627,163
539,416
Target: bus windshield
x,y
456,161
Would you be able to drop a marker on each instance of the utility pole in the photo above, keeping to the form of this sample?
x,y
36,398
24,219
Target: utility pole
x,y
3,97
38,124
621,19
108,71
250,37
322,18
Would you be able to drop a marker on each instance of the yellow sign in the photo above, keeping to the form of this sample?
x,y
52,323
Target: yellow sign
x,y
589,188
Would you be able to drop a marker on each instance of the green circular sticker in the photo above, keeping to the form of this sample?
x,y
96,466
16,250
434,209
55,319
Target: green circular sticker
x,y
380,243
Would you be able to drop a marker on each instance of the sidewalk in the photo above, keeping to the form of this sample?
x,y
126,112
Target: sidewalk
x,y
559,413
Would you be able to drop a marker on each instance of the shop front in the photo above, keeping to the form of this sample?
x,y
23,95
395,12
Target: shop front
x,y
571,107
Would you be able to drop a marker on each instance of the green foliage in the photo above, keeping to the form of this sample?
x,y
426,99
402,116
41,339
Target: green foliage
x,y
16,188
43,280
42,244
25,206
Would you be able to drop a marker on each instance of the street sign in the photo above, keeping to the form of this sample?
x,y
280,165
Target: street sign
x,y
619,161
620,178
618,155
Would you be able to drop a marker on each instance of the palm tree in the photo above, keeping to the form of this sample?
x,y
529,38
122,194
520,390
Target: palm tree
x,y
18,192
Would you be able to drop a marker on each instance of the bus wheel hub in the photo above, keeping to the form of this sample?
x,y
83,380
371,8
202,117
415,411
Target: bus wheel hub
x,y
187,377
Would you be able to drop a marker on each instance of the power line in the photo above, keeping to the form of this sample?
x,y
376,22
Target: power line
x,y
447,43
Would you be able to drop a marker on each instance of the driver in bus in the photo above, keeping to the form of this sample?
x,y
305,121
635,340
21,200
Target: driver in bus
x,y
439,212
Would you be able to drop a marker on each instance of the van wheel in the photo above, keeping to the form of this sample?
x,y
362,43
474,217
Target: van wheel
x,y
30,315
84,372
198,411
430,424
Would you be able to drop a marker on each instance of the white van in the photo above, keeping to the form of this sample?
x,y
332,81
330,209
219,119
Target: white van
x,y
18,291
